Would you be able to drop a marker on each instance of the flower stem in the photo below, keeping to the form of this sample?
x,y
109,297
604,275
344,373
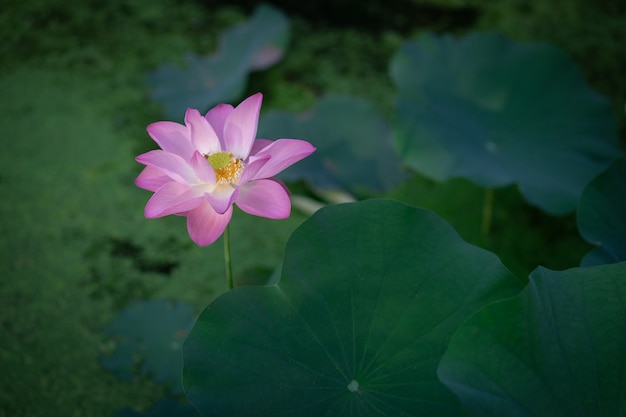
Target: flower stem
x,y
227,263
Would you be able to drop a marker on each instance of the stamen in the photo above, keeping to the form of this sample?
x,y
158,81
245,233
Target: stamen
x,y
227,169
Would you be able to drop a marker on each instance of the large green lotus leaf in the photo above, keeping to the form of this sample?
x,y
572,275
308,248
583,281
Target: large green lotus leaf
x,y
601,216
222,77
555,350
149,334
353,141
485,108
369,298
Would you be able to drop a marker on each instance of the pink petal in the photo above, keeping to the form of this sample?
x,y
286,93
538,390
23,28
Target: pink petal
x,y
241,126
173,198
252,168
217,118
151,179
169,164
283,153
202,168
203,136
205,225
222,197
265,198
258,145
266,57
172,137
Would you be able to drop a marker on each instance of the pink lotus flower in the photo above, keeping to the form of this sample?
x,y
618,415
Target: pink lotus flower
x,y
213,162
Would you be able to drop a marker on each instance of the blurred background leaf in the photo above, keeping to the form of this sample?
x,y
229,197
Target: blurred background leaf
x,y
601,216
222,77
369,297
556,349
498,112
353,141
148,337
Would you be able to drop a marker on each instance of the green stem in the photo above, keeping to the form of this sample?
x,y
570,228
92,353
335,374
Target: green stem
x,y
227,263
487,211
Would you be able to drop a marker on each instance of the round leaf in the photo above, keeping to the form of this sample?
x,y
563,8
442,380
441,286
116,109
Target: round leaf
x,y
556,350
498,112
369,297
353,141
601,216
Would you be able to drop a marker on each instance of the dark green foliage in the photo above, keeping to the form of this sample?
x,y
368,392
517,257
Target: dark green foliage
x,y
369,296
601,216
497,112
521,236
163,408
62,188
75,248
593,32
148,337
374,16
555,350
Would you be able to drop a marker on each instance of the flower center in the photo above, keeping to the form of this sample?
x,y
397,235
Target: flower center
x,y
227,168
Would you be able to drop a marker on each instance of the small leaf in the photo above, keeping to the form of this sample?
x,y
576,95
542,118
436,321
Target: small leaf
x,y
485,108
150,335
555,350
369,297
222,77
353,141
601,216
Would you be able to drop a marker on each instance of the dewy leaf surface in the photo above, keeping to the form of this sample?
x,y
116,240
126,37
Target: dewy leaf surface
x,y
222,77
369,298
485,108
555,350
601,216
